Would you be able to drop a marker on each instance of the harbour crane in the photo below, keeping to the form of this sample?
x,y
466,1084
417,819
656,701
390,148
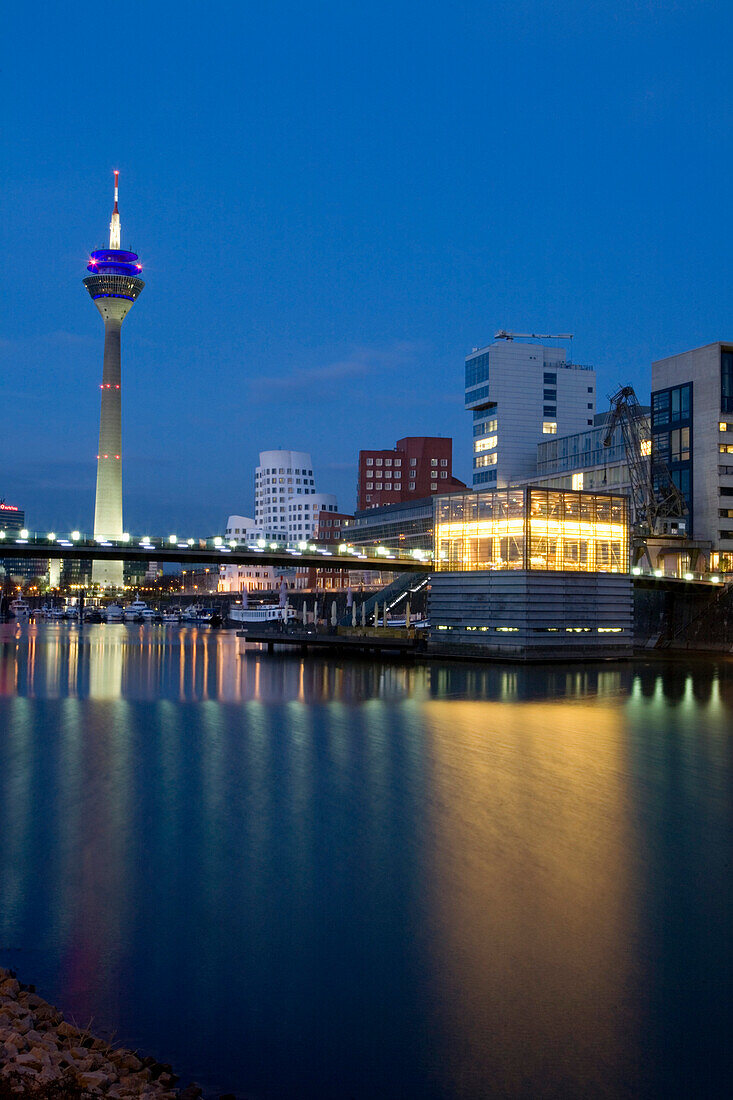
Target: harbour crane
x,y
658,506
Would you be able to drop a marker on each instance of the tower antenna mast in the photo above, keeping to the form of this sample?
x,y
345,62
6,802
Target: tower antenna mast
x,y
115,229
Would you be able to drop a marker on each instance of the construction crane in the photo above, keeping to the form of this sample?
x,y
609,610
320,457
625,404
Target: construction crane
x,y
502,334
658,506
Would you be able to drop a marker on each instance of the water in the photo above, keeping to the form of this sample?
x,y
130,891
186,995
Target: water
x,y
296,878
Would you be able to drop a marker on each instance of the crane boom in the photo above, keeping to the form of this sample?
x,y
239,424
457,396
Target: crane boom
x,y
502,334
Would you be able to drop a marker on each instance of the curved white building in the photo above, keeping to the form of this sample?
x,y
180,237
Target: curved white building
x,y
286,500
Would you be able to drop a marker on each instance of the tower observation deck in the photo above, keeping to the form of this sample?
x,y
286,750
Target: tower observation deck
x,y
114,287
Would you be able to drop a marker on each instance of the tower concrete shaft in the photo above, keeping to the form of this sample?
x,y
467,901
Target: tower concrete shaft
x,y
114,286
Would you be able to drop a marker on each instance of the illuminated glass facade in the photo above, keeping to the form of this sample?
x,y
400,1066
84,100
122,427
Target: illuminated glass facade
x,y
532,528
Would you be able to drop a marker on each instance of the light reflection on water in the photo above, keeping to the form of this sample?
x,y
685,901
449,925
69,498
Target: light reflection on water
x,y
301,877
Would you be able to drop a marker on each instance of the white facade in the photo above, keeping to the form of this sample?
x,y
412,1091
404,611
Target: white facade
x,y
286,500
519,393
692,428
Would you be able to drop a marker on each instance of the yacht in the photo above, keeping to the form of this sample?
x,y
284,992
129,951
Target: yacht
x,y
172,615
113,613
150,615
19,609
134,611
197,613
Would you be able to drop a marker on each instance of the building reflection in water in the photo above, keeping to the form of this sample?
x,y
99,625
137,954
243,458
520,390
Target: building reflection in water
x,y
466,869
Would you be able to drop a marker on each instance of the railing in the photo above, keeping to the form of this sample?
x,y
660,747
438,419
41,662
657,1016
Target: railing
x,y
218,544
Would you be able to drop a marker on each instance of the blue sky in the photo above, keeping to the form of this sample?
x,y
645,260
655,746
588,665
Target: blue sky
x,y
334,202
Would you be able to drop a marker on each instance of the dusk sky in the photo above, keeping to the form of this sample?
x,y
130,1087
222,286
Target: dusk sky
x,y
334,202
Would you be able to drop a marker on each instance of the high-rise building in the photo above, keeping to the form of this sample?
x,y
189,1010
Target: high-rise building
x,y
287,502
518,394
416,467
114,286
692,431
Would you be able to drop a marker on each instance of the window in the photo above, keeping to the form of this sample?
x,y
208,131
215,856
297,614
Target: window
x,y
398,462
379,462
590,389
444,473
388,462
477,370
369,498
549,427
485,444
577,480
378,485
413,462
412,486
370,485
549,410
590,404
550,378
370,462
549,395
723,427
433,486
726,381
726,449
485,460
433,462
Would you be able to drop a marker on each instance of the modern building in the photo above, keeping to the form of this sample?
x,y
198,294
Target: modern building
x,y
287,503
19,570
416,467
530,573
580,461
114,287
692,431
405,526
518,393
527,527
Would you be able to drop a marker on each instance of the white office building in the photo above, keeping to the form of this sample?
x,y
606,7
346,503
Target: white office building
x,y
287,502
519,393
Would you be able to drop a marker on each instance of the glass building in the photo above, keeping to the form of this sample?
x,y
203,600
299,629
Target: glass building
x,y
532,528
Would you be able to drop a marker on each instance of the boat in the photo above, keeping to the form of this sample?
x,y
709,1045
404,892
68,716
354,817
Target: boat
x,y
266,613
54,614
172,615
134,611
19,609
71,611
92,615
197,613
150,615
113,613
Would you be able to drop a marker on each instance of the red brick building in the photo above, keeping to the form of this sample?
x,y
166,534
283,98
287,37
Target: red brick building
x,y
419,466
328,526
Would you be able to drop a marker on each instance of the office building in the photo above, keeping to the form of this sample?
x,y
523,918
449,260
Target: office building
x,y
16,570
518,393
405,526
287,503
692,431
416,467
114,287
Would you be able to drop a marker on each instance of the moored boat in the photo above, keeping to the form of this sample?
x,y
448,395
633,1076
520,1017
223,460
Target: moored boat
x,y
265,613
134,611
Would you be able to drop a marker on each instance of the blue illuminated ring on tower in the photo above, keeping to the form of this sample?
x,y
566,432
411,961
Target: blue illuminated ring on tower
x,y
114,261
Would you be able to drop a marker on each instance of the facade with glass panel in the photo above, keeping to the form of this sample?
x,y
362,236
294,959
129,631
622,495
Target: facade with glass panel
x,y
692,429
532,528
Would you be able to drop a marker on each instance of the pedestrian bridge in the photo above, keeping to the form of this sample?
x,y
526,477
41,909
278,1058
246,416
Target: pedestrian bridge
x,y
211,551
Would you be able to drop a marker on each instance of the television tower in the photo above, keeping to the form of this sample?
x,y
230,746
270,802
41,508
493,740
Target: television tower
x,y
114,286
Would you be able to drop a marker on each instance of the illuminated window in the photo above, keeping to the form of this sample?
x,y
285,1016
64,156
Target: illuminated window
x,y
482,445
485,460
577,480
549,427
646,447
724,427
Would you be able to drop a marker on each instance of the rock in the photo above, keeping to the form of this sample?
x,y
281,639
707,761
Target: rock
x,y
31,1060
15,1039
67,1031
10,987
130,1062
33,1036
93,1080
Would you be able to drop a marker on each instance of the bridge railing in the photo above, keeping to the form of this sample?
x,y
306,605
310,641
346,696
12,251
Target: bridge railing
x,y
218,544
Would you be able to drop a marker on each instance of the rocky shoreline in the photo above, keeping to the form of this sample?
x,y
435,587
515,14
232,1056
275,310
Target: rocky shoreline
x,y
42,1054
